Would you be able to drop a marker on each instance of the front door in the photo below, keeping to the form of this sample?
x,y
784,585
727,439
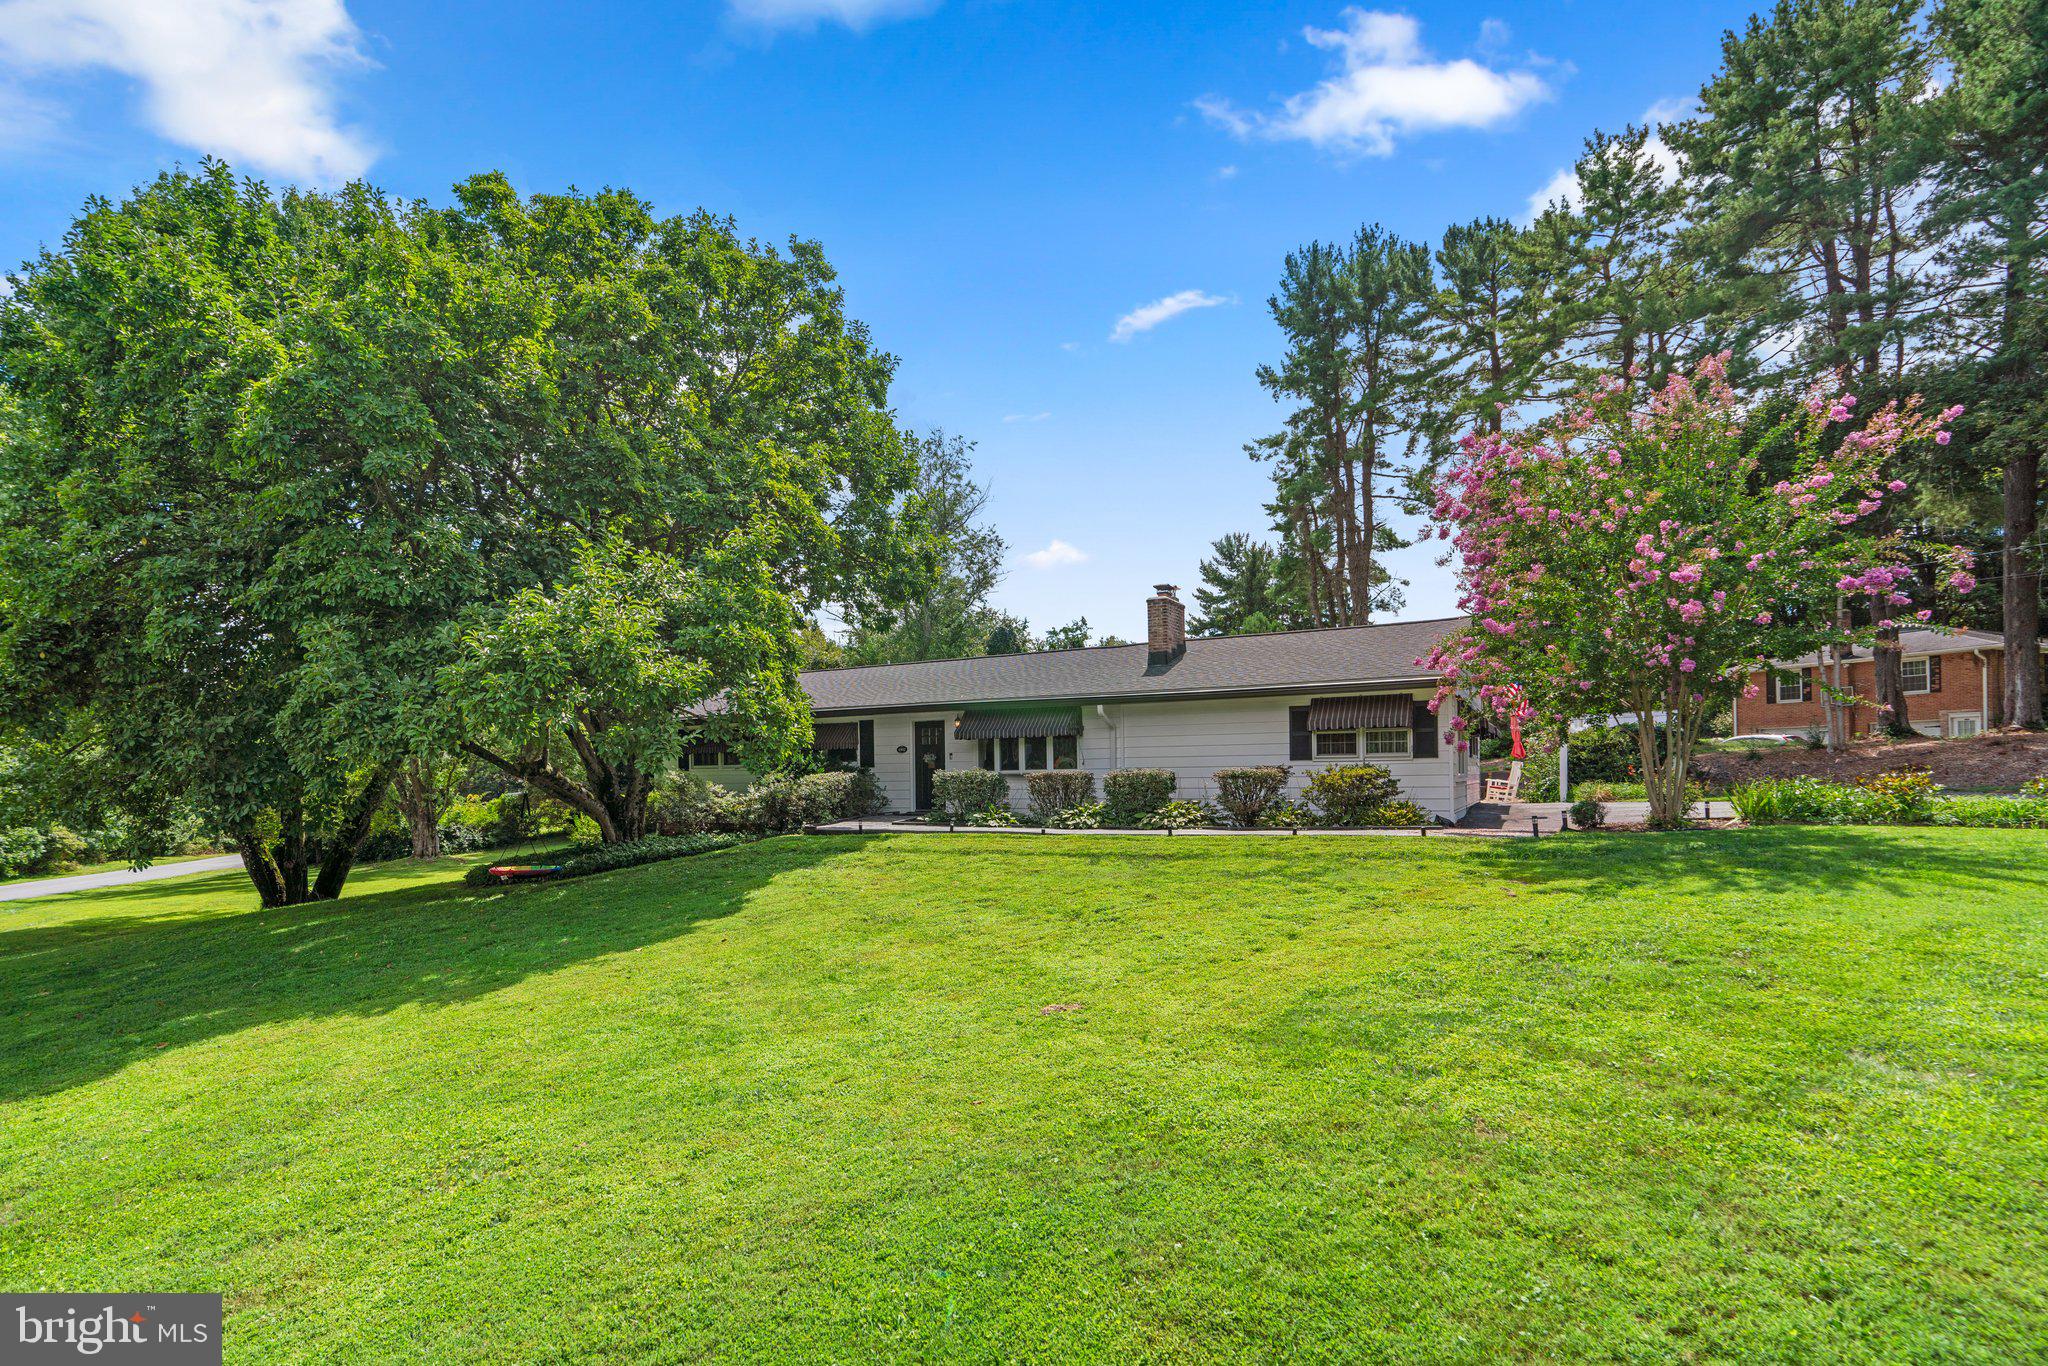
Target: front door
x,y
930,744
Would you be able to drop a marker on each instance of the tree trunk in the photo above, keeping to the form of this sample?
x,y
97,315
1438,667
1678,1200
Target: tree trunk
x,y
2021,581
283,870
1889,668
418,789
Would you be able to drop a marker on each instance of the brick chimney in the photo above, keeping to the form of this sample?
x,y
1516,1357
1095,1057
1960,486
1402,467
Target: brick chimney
x,y
1166,626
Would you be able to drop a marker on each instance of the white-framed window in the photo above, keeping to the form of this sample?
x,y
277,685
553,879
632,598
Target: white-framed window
x,y
1030,753
1962,723
1788,687
1391,742
1344,744
1919,674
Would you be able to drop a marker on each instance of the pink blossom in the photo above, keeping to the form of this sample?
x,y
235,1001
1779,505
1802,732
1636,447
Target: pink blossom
x,y
1941,438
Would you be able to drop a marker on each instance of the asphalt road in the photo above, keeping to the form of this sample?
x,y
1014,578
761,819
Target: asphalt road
x,y
120,877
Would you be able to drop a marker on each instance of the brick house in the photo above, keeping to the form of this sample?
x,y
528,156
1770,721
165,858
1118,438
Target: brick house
x,y
1953,685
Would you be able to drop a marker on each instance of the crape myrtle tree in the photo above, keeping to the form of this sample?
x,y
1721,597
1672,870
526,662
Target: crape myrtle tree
x,y
1628,556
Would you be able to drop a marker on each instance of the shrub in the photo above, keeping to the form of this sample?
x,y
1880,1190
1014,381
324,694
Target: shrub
x,y
1285,815
794,801
1180,815
1133,792
1889,799
1402,814
1994,813
1001,816
1352,794
2035,787
22,848
1246,793
1052,793
1086,816
1588,814
607,858
1910,790
960,792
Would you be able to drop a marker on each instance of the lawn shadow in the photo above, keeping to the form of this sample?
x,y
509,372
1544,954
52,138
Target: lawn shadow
x,y
88,996
1771,859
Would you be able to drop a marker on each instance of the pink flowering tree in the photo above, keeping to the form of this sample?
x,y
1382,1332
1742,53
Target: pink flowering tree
x,y
1622,558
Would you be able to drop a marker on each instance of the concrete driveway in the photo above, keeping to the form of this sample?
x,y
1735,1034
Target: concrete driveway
x,y
120,877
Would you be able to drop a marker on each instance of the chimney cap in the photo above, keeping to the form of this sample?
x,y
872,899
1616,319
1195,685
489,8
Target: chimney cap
x,y
1165,590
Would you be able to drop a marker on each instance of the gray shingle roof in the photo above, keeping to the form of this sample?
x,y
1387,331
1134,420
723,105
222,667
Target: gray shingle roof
x,y
1279,662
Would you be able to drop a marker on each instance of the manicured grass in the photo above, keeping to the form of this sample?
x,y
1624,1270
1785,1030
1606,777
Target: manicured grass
x,y
1776,1094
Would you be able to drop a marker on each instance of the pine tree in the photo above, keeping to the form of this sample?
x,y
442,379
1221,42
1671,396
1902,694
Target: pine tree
x,y
1989,147
1805,180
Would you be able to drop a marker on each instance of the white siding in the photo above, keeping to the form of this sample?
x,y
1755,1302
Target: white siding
x,y
1194,739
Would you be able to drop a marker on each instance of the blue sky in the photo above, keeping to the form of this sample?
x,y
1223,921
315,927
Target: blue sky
x,y
1064,218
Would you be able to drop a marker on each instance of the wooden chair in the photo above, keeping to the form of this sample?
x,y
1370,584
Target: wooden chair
x,y
1505,789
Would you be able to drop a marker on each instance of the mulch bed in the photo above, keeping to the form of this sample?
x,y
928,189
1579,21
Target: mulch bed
x,y
1998,761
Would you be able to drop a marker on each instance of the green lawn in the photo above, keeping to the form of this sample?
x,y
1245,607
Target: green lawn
x,y
1772,1094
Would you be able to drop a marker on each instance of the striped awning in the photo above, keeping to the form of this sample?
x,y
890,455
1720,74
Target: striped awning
x,y
835,735
1374,711
1006,725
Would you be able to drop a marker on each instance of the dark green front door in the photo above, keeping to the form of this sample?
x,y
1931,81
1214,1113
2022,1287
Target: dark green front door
x,y
930,747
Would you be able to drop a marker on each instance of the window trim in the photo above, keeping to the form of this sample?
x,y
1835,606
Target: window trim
x,y
1348,751
988,754
1356,742
1926,663
1781,678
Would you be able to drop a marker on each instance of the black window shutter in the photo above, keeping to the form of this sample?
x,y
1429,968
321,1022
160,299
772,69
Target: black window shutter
x,y
1806,684
1300,745
1934,673
1424,723
867,744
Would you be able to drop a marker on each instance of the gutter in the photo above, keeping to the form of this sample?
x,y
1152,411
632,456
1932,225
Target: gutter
x,y
1121,699
1983,691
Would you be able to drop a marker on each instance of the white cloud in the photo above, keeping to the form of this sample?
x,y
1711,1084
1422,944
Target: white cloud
x,y
855,14
1056,554
1145,317
1564,185
1070,346
1226,173
1385,85
252,81
1025,417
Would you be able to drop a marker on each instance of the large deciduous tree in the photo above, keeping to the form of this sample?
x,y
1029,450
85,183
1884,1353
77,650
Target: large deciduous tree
x,y
238,527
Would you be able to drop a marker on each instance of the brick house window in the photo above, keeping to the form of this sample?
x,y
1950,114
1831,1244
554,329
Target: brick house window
x,y
1788,687
1919,675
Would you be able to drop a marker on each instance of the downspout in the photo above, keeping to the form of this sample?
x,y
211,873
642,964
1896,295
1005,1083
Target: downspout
x,y
1983,691
1117,748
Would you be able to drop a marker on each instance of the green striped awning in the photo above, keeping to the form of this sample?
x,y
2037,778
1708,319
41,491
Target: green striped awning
x,y
835,735
1374,711
1009,724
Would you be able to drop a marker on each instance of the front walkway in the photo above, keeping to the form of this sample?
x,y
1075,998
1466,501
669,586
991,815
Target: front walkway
x,y
1550,816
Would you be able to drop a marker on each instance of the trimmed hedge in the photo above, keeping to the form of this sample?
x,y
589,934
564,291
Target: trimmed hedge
x,y
1054,792
607,858
1133,792
961,792
1247,793
1352,795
